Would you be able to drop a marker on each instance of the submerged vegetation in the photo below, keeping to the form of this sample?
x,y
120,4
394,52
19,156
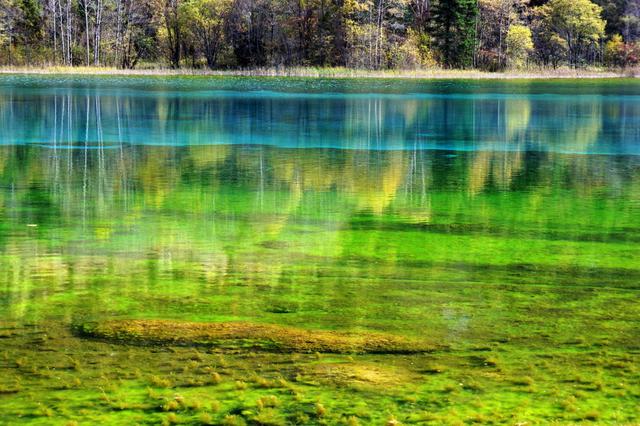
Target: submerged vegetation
x,y
250,335
249,251
172,384
502,351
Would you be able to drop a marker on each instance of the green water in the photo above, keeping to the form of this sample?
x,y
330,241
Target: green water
x,y
499,221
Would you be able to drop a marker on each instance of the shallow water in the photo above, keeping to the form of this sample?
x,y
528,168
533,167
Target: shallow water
x,y
498,221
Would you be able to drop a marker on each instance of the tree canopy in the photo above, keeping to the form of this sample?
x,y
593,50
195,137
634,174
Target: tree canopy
x,y
370,34
578,23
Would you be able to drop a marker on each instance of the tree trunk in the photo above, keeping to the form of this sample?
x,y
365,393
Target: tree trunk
x,y
86,29
98,32
173,32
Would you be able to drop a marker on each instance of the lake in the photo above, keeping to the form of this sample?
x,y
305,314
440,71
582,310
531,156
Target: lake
x,y
378,251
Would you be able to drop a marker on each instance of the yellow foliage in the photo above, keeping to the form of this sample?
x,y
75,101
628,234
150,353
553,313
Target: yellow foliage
x,y
519,44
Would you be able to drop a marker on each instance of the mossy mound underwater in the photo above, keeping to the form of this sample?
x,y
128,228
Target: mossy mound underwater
x,y
249,335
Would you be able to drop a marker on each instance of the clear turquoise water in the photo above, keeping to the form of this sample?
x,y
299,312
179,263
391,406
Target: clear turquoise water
x,y
599,116
499,221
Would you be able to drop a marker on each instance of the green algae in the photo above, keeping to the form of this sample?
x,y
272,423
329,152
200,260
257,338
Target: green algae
x,y
363,375
145,384
249,335
518,266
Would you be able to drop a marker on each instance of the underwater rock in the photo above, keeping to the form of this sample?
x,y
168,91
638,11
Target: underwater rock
x,y
248,335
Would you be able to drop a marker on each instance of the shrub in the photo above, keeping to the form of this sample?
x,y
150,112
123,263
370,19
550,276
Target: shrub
x,y
617,53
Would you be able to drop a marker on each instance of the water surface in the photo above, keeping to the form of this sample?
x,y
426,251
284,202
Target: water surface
x,y
500,220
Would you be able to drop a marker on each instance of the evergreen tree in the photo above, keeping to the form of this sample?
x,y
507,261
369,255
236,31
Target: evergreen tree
x,y
30,23
454,31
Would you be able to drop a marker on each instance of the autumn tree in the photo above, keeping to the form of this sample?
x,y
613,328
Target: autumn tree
x,y
372,34
136,36
617,53
549,48
577,23
495,19
329,39
173,26
205,20
519,45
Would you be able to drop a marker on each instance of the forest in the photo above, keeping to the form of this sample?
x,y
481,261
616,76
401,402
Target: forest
x,y
490,35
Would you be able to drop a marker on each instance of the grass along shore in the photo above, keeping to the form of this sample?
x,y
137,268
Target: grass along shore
x,y
313,72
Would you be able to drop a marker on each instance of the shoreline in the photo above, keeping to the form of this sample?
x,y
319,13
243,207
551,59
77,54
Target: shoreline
x,y
433,74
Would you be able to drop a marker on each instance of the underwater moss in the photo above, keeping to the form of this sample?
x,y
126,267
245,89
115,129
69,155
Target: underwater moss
x,y
359,374
44,411
393,422
171,419
206,419
160,382
250,335
300,418
21,362
268,401
7,390
522,381
504,277
172,405
233,420
352,421
321,410
215,378
592,415
268,417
